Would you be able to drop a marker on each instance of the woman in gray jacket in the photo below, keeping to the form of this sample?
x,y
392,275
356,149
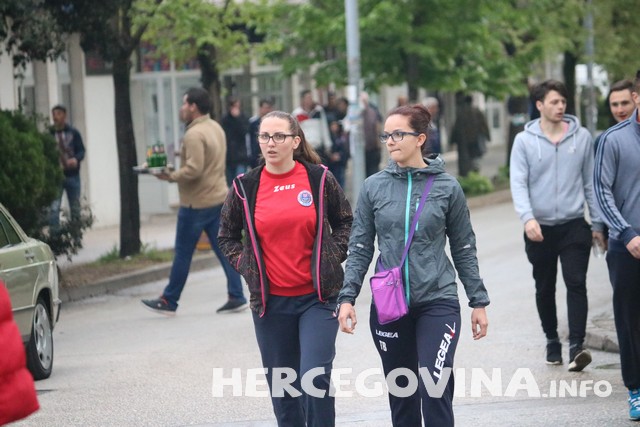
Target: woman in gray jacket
x,y
427,336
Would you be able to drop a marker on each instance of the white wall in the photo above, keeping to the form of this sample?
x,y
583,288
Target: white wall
x,y
101,160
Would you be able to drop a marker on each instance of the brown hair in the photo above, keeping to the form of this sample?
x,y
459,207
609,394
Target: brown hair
x,y
541,90
419,120
305,151
625,84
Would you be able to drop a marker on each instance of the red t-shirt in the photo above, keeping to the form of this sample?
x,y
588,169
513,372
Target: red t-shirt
x,y
285,220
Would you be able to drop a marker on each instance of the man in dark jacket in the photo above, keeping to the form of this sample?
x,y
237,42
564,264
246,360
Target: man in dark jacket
x,y
71,151
265,106
470,133
235,126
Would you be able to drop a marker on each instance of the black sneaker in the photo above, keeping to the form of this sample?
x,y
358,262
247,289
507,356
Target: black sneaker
x,y
234,305
580,358
554,353
159,305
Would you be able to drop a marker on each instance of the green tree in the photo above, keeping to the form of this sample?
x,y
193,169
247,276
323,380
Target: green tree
x,y
217,33
108,29
616,32
30,175
29,31
469,45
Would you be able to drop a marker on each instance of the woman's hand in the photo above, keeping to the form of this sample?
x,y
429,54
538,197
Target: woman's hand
x,y
347,318
479,323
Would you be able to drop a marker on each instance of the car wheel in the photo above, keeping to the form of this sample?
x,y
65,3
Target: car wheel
x,y
40,347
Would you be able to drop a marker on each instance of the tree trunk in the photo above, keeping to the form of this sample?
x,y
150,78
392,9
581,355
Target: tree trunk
x,y
130,207
210,78
569,71
413,77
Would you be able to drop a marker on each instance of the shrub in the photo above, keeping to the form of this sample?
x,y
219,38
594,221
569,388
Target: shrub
x,y
30,179
66,239
30,174
501,180
475,184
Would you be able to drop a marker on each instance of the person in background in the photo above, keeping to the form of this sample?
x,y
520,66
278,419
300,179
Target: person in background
x,y
312,117
431,329
17,392
71,150
342,108
470,134
331,108
517,107
371,129
621,105
202,188
433,140
285,227
265,106
551,175
616,177
236,127
339,152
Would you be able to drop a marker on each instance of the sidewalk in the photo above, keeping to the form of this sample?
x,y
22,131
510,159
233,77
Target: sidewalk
x,y
158,231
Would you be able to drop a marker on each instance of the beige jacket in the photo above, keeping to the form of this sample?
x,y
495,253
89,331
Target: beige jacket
x,y
201,177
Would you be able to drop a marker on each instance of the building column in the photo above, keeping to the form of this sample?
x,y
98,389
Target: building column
x,y
7,83
76,72
41,80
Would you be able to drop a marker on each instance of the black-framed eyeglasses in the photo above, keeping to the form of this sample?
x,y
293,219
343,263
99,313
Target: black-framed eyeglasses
x,y
278,137
397,136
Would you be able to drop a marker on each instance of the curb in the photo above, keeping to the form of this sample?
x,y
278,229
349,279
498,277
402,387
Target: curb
x,y
127,280
601,339
489,199
601,332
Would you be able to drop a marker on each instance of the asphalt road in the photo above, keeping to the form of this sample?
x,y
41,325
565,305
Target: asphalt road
x,y
117,364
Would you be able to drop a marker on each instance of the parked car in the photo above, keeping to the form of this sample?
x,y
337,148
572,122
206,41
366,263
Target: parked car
x,y
29,271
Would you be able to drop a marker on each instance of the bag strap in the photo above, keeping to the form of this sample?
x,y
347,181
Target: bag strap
x,y
414,223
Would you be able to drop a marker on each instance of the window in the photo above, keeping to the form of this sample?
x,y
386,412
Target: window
x,y
8,235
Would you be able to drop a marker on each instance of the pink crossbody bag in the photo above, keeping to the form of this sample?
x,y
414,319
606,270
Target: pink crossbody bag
x,y
387,286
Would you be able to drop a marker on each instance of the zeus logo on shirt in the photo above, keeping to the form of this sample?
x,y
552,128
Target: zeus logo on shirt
x,y
283,187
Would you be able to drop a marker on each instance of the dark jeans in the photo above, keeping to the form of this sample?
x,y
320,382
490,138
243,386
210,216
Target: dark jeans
x,y
338,172
191,224
71,185
418,340
466,161
372,161
231,171
624,273
571,243
299,333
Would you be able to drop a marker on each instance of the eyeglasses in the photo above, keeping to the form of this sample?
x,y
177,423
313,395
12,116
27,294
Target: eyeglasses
x,y
397,136
278,138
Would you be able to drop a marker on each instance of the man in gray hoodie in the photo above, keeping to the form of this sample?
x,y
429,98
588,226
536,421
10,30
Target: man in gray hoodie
x,y
616,178
551,171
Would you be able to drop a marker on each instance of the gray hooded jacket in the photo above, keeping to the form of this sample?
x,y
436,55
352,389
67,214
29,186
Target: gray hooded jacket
x,y
551,182
385,209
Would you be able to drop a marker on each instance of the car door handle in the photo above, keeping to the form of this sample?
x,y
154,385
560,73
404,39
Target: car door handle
x,y
29,255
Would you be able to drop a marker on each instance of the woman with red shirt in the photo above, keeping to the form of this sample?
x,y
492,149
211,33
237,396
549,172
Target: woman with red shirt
x,y
296,223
